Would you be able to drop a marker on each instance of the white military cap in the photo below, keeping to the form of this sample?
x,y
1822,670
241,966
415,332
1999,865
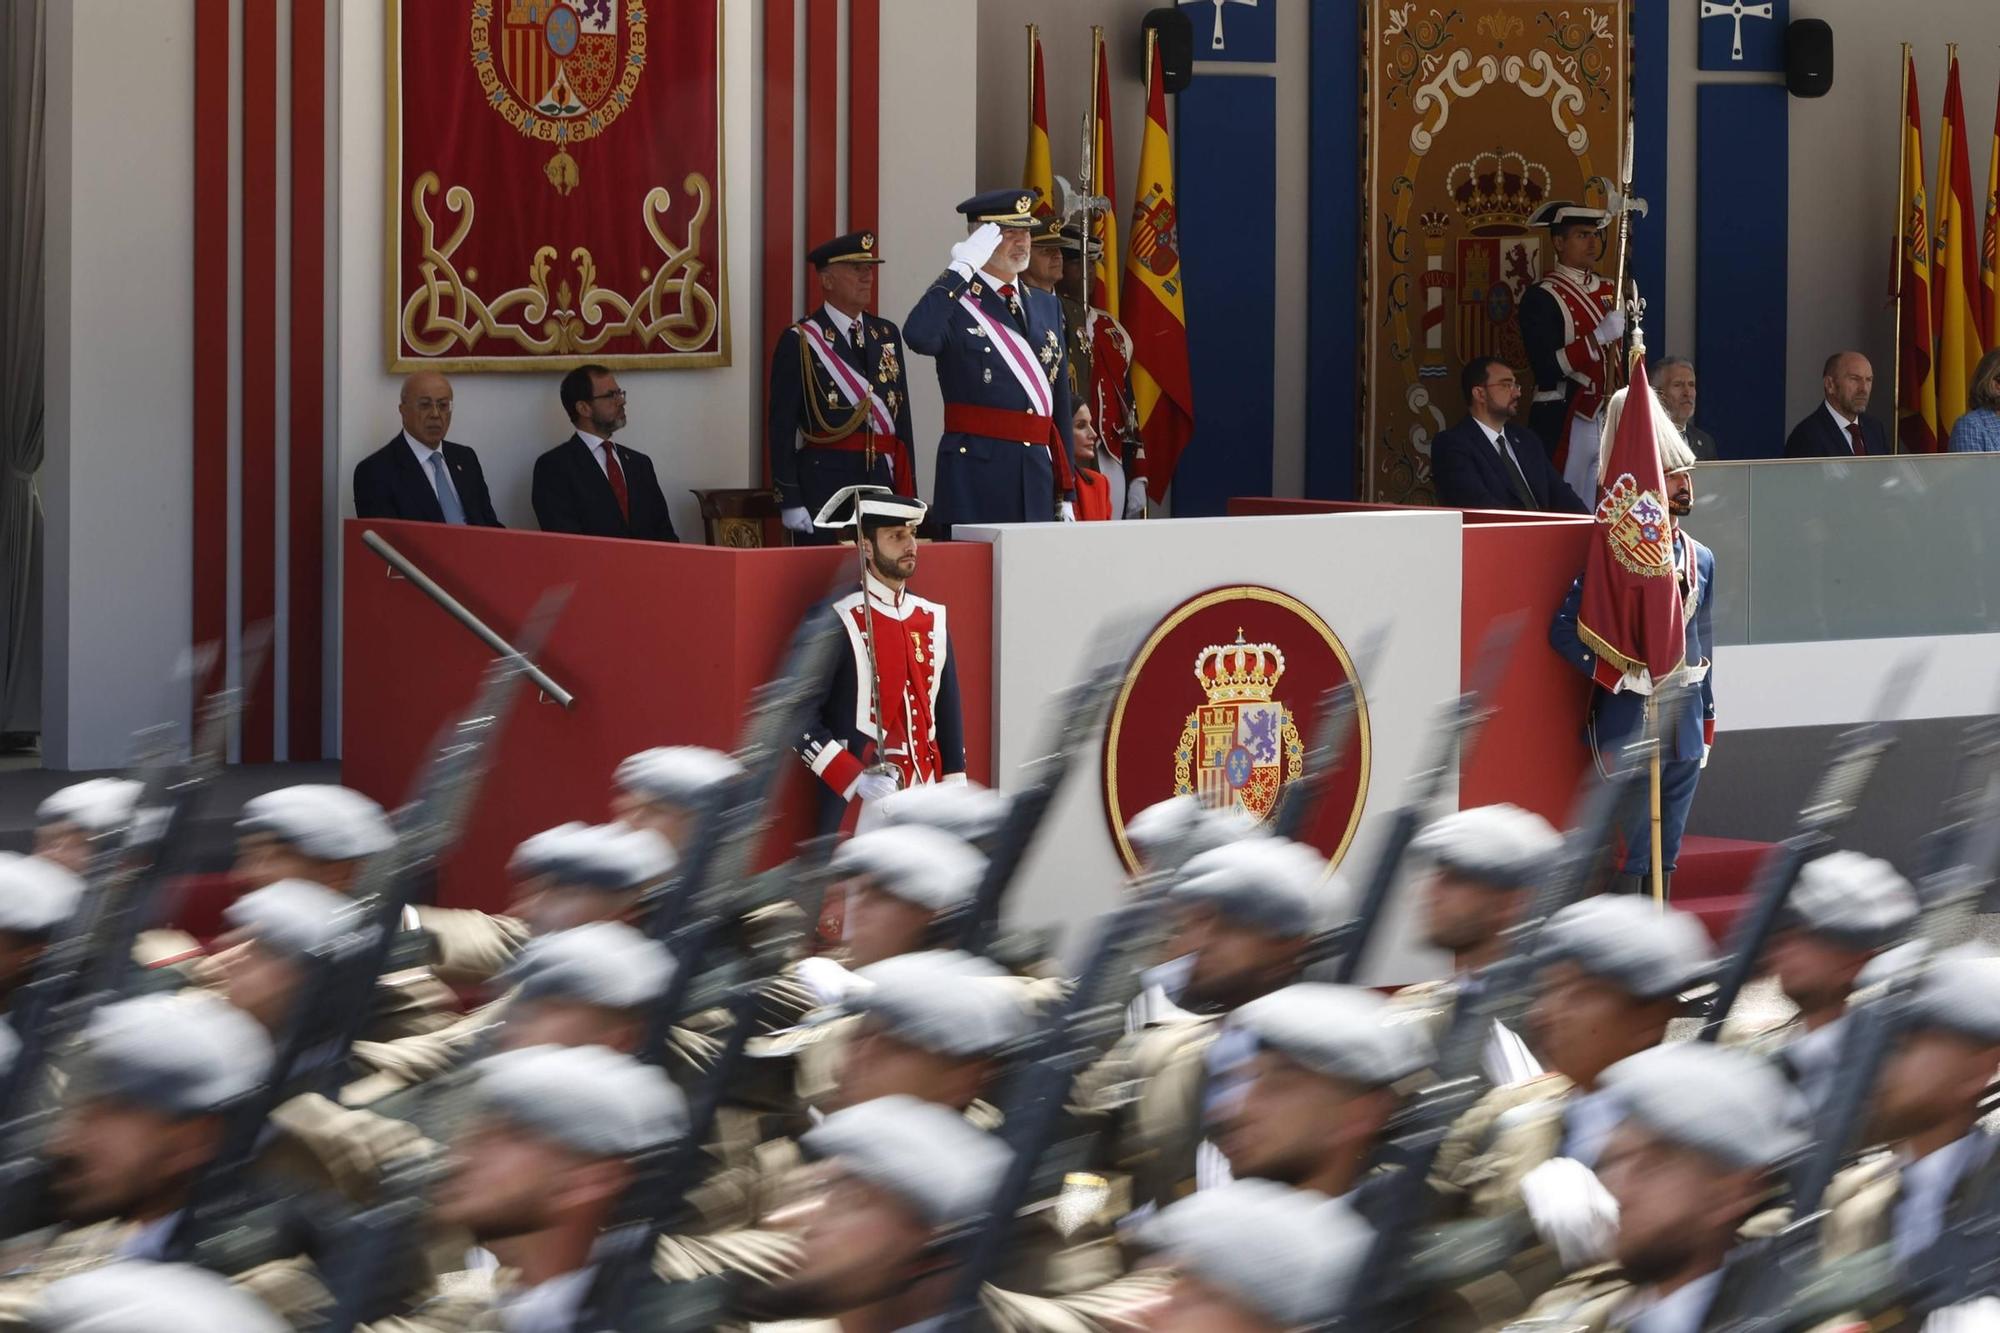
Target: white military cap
x,y
965,811
943,1001
612,858
138,1296
542,853
1630,942
1502,846
185,1054
1273,884
921,866
323,821
1851,899
96,805
293,916
925,1154
1961,993
1290,1256
1185,823
603,963
36,896
675,774
1344,1032
1730,1105
589,1099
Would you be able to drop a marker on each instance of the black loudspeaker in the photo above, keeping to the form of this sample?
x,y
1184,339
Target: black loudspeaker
x,y
1808,58
1174,31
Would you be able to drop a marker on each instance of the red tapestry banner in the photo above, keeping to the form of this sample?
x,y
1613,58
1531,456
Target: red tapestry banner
x,y
555,185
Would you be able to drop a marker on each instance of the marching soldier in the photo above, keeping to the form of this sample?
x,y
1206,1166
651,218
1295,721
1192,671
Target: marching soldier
x,y
37,897
966,810
1253,1257
1005,454
1572,328
840,396
67,820
662,789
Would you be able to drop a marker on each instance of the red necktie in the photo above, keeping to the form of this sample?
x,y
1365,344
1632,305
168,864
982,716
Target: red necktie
x,y
616,476
1860,446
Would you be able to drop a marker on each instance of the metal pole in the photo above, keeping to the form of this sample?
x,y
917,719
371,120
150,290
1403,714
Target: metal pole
x,y
1896,264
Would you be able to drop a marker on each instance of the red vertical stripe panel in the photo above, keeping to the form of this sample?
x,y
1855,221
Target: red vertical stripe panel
x,y
864,114
211,324
822,120
259,467
780,252
308,373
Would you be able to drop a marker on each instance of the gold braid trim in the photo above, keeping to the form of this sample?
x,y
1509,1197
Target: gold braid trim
x,y
829,429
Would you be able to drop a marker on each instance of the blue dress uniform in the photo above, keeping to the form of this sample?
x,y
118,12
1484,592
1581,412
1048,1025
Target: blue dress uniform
x,y
820,434
1005,455
1616,718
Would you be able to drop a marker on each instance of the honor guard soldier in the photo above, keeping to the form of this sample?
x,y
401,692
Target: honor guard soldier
x,y
1253,1257
890,715
1005,455
1572,328
839,410
68,819
37,898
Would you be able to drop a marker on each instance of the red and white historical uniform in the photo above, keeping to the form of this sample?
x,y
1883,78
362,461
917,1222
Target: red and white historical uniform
x,y
1559,319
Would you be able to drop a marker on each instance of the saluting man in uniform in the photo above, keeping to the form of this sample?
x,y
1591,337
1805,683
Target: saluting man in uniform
x,y
1005,456
840,399
1568,320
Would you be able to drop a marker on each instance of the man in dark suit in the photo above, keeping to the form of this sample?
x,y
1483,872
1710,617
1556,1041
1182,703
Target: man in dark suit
x,y
420,474
591,485
1674,384
1487,462
1837,428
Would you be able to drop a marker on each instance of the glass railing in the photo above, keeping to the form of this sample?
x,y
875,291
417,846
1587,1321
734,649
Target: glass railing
x,y
1860,548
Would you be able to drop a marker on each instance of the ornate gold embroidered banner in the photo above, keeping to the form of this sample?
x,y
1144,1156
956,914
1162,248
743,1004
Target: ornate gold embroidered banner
x,y
1477,111
555,184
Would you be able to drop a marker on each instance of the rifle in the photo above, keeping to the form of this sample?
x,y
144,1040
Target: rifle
x,y
1338,709
1455,737
1851,764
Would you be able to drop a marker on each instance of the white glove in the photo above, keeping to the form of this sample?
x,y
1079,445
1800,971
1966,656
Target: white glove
x,y
1610,329
829,982
796,519
1066,512
873,786
1705,750
1637,682
970,255
1135,498
1572,1211
1974,1316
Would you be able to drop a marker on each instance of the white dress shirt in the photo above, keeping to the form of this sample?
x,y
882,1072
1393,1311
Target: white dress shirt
x,y
424,455
842,324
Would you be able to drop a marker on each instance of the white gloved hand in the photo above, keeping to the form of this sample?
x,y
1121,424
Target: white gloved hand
x,y
872,786
1975,1316
795,518
1572,1211
1135,498
1636,682
1066,512
1705,751
1610,329
970,255
829,982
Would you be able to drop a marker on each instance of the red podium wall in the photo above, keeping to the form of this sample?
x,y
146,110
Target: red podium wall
x,y
660,644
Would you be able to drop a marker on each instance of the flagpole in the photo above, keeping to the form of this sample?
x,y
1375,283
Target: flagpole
x,y
1896,268
1659,875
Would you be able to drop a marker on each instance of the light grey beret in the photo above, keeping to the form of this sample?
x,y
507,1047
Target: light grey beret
x,y
603,963
324,821
612,858
1271,883
1960,993
1502,846
136,1296
922,866
1852,899
36,896
925,1154
293,916
1183,821
544,852
1290,1256
1626,940
1717,1100
1344,1032
589,1099
185,1054
96,805
961,809
675,774
947,1002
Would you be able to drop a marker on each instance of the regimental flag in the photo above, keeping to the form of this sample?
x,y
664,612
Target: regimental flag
x,y
1155,313
1630,613
1916,394
1103,181
1037,173
1989,250
1955,264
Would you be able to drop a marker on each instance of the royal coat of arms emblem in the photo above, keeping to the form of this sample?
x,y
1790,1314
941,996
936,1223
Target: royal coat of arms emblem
x,y
559,70
1241,746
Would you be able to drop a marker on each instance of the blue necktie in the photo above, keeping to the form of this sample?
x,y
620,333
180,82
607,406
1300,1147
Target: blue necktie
x,y
454,512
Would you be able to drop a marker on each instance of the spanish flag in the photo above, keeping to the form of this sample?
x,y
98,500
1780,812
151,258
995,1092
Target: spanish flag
x,y
1916,391
1155,314
1989,251
1103,181
1036,172
1955,265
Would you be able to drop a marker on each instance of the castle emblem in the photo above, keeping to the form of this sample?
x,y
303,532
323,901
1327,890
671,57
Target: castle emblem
x,y
1241,746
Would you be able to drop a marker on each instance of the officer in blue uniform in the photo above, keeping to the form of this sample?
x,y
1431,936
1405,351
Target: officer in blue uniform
x,y
1005,456
839,412
1618,704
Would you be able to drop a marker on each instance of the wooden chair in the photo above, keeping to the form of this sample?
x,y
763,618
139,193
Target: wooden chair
x,y
741,517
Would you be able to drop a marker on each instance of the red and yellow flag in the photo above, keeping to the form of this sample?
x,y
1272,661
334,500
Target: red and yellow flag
x,y
1955,263
1103,181
1037,173
1989,250
1630,611
1154,312
1916,391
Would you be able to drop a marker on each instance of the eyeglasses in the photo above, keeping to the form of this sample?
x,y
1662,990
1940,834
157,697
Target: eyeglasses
x,y
608,393
432,405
